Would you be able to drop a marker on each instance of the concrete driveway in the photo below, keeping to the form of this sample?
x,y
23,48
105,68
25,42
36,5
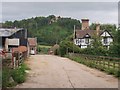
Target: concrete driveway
x,y
49,71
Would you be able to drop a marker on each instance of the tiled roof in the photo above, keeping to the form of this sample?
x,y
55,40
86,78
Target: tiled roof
x,y
82,33
32,41
20,49
5,32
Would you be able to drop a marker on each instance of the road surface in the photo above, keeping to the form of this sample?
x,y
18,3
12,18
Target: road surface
x,y
49,71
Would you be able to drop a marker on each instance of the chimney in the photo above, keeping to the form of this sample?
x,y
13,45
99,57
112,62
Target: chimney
x,y
85,24
97,28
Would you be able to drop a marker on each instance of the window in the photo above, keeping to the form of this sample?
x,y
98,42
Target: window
x,y
9,49
32,48
80,40
87,40
105,40
77,41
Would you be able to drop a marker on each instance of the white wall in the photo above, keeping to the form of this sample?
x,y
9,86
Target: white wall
x,y
81,41
109,40
14,42
105,34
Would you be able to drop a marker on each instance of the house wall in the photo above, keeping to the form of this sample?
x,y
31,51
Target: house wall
x,y
33,48
14,42
109,40
82,42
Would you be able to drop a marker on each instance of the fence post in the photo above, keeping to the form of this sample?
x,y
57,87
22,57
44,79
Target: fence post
x,y
114,65
14,62
108,64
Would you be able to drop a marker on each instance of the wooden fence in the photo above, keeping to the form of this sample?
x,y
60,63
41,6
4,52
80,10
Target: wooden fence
x,y
14,60
101,61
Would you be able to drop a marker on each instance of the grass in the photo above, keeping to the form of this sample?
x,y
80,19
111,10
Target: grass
x,y
18,75
6,74
43,49
44,46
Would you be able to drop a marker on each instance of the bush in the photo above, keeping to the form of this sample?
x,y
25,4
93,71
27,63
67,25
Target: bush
x,y
19,75
117,73
6,74
68,46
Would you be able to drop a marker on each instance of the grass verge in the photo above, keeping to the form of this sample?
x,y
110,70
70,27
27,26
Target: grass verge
x,y
91,64
17,75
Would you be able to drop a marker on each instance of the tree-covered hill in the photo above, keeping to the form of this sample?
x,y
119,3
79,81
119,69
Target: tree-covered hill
x,y
48,30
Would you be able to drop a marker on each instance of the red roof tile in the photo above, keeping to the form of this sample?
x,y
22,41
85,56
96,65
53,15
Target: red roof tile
x,y
32,41
20,49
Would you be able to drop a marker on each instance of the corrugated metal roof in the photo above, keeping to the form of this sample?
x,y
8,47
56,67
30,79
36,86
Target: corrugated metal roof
x,y
6,32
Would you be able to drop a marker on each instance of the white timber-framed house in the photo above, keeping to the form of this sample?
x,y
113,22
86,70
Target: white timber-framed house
x,y
84,37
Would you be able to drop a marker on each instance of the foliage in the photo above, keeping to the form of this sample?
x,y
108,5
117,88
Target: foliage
x,y
18,75
95,48
115,47
43,49
46,32
109,27
66,22
67,46
6,74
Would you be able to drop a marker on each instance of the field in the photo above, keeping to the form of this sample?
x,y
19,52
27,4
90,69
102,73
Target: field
x,y
44,46
43,49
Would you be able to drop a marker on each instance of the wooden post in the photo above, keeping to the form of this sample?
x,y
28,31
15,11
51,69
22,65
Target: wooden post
x,y
114,65
14,62
108,64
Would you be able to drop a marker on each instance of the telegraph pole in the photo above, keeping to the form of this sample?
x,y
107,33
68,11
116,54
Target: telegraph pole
x,y
73,38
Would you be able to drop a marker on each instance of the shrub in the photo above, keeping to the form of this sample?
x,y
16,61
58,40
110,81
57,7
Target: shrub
x,y
19,74
117,73
6,74
67,46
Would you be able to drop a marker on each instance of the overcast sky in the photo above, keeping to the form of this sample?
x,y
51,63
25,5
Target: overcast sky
x,y
103,12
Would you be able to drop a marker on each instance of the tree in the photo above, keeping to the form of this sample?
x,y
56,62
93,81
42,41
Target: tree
x,y
67,46
110,27
115,47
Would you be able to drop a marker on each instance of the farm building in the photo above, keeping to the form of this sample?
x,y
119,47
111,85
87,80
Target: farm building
x,y
12,38
32,46
85,36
